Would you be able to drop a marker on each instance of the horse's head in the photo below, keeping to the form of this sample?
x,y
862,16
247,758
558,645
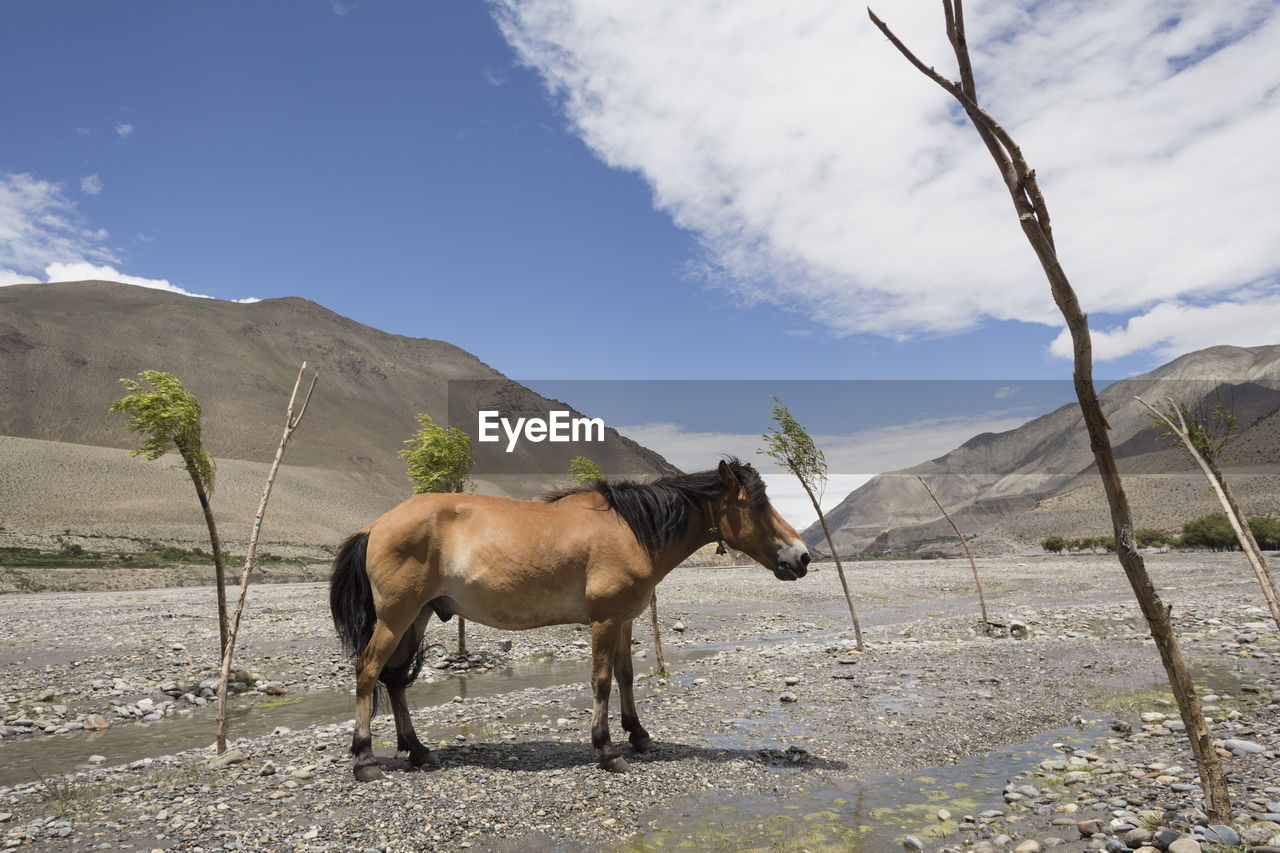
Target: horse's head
x,y
748,522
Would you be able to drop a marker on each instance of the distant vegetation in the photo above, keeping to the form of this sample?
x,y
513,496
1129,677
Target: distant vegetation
x,y
1211,531
155,556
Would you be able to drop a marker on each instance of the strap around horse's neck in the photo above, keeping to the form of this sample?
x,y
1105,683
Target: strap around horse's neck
x,y
713,528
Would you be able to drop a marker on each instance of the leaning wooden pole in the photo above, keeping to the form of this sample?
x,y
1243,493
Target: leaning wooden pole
x,y
982,602
1033,216
290,424
657,640
1239,524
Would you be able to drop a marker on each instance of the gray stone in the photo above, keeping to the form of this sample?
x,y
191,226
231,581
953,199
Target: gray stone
x,y
788,696
1164,837
1185,845
912,843
1222,834
1243,747
226,759
1028,846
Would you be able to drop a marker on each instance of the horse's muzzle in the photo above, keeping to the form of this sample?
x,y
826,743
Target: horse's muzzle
x,y
793,563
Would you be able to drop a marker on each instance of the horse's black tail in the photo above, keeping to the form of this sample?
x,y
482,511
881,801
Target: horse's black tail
x,y
351,603
350,596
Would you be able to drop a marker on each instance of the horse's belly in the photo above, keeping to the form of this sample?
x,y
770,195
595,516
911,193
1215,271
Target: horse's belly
x,y
519,608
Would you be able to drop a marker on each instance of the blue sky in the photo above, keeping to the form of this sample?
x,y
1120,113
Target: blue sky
x,y
659,190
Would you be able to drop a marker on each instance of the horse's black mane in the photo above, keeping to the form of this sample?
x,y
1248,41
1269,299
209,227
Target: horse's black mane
x,y
658,512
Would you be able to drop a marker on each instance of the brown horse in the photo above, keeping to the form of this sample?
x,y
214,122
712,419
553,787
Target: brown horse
x,y
590,555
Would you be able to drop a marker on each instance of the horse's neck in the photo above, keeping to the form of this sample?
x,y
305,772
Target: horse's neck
x,y
698,533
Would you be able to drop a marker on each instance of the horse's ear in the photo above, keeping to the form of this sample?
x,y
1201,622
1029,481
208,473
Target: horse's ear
x,y
729,478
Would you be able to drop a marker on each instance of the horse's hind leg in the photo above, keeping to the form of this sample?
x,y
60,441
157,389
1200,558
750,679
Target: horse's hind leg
x,y
401,671
382,644
624,671
604,646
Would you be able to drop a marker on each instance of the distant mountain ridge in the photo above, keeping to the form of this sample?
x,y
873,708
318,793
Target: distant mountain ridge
x,y
64,346
995,483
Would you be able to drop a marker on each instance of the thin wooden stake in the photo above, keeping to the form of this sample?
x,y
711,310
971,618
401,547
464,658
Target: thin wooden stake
x,y
657,640
982,602
290,424
1239,524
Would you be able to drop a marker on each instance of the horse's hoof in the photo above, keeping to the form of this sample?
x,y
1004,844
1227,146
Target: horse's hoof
x,y
426,761
642,744
617,764
368,772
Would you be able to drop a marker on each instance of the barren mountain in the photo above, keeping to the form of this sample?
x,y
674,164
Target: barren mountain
x,y
1012,489
63,348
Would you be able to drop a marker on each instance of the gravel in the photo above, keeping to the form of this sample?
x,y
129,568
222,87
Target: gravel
x,y
931,690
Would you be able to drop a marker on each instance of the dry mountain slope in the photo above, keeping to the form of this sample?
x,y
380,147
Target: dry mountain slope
x,y
995,483
64,346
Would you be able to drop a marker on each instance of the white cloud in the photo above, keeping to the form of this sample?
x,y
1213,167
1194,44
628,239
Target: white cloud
x,y
82,271
340,8
821,172
91,184
43,238
852,458
1173,328
8,277
39,225
124,130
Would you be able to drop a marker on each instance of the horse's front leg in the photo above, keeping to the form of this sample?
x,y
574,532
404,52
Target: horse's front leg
x,y
604,646
624,671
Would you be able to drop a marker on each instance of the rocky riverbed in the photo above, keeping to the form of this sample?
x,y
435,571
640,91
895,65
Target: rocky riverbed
x,y
771,730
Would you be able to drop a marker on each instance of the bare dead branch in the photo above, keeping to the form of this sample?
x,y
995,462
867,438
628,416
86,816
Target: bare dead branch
x,y
1033,218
